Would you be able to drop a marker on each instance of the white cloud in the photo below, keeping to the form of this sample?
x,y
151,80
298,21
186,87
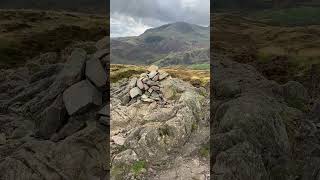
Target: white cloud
x,y
123,25
133,17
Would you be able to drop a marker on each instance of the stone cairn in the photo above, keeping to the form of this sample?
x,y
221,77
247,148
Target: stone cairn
x,y
147,87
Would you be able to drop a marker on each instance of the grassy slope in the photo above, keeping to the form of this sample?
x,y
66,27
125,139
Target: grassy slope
x,y
27,33
282,52
195,77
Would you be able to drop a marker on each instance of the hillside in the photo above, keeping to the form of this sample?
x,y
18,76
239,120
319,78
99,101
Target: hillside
x,y
280,52
155,44
28,33
87,6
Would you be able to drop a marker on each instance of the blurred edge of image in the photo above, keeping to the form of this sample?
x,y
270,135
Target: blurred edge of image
x,y
54,97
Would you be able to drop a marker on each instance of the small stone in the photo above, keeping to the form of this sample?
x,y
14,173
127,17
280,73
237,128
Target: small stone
x,y
140,84
153,105
134,92
153,68
150,90
156,78
118,140
144,80
156,88
145,87
3,139
143,75
163,75
152,83
132,82
152,74
125,99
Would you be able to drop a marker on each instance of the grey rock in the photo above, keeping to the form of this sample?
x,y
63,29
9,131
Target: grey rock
x,y
104,120
100,54
156,88
51,119
152,74
125,99
155,78
80,97
163,75
145,87
150,90
103,43
134,92
153,68
140,84
96,73
72,73
133,82
105,111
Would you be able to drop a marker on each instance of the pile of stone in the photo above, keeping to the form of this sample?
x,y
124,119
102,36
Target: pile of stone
x,y
147,87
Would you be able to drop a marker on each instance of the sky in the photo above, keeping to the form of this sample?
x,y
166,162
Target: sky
x,y
133,17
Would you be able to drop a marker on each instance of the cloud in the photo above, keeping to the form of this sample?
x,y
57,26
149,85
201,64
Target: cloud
x,y
134,16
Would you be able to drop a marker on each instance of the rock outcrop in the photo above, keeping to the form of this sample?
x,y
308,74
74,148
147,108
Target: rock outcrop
x,y
54,121
260,129
149,137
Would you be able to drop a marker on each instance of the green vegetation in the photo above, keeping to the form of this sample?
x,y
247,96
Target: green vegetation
x,y
204,151
138,166
28,33
200,66
153,39
297,16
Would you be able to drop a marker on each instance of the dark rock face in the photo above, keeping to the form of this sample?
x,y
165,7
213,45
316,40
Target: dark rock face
x,y
260,129
55,122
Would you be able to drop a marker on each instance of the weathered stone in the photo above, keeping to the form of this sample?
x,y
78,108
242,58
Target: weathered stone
x,y
104,120
163,75
155,78
150,90
152,74
52,118
81,96
133,82
118,140
104,111
3,139
100,54
103,43
156,88
140,84
134,92
153,68
144,80
125,99
145,87
96,73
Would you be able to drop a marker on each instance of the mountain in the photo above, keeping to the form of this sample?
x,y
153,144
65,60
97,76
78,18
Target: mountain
x,y
154,45
89,6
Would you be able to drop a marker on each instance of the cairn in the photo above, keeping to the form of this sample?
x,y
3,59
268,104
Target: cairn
x,y
147,87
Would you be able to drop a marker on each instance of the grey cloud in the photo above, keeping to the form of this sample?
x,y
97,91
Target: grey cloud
x,y
154,11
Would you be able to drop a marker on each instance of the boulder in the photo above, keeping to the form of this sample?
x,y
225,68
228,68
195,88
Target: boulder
x,y
133,82
145,87
96,73
140,84
52,119
155,78
134,92
80,97
153,68
152,74
163,75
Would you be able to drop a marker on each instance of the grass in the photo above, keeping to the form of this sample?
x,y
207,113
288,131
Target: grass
x,y
200,66
195,77
204,151
28,33
297,16
138,166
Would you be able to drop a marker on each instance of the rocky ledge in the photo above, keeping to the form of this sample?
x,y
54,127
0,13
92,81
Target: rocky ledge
x,y
163,137
53,117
